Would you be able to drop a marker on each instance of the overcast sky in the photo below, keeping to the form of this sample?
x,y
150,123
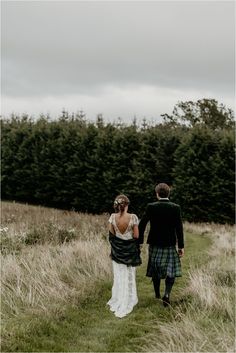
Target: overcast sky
x,y
118,58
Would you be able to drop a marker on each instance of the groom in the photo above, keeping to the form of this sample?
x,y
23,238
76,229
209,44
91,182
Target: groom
x,y
166,232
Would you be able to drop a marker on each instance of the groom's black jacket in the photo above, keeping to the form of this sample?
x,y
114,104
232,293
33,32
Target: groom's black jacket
x,y
166,227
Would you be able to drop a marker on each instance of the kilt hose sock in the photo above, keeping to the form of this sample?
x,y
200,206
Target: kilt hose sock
x,y
156,284
169,281
169,284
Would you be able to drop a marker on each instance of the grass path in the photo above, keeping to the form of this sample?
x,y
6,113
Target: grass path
x,y
91,327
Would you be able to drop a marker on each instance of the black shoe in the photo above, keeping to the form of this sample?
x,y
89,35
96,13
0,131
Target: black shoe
x,y
158,296
166,301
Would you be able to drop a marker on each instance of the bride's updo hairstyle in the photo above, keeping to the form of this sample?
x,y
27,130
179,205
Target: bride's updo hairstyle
x,y
121,201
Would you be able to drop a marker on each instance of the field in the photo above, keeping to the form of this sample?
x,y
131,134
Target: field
x,y
56,279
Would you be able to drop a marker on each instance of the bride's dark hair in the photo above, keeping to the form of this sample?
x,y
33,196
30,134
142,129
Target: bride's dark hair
x,y
121,201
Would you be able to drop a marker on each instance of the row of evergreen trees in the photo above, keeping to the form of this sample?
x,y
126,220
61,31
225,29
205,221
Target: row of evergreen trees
x,y
75,164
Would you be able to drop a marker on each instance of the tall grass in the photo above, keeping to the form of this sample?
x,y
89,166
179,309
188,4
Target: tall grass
x,y
50,257
205,322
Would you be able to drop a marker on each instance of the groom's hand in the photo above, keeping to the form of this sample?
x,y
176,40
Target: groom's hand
x,y
181,252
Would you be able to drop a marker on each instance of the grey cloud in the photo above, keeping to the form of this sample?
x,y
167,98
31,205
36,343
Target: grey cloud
x,y
80,47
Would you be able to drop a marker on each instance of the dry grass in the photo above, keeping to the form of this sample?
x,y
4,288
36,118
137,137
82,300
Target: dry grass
x,y
214,284
50,256
54,269
19,220
207,322
189,333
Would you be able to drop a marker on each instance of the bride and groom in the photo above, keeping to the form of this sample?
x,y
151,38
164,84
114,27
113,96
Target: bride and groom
x,y
126,234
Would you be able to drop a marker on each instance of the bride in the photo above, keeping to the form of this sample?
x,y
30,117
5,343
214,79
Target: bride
x,y
125,254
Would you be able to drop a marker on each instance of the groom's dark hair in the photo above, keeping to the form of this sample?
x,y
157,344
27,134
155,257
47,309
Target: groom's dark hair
x,y
162,189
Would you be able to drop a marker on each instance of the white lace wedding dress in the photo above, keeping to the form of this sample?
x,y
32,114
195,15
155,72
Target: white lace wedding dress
x,y
124,291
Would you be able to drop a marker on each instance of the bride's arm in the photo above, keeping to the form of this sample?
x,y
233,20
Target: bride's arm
x,y
135,231
110,226
135,226
111,229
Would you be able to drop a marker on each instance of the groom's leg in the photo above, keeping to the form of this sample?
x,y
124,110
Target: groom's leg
x,y
156,284
169,284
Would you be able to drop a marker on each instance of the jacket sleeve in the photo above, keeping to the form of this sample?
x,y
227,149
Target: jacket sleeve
x,y
142,225
179,229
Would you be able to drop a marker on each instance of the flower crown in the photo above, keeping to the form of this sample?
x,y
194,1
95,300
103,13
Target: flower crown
x,y
120,201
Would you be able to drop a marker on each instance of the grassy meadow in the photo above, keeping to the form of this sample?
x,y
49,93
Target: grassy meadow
x,y
56,278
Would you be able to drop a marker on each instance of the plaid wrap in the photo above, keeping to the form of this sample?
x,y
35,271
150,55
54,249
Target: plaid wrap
x,y
125,252
163,262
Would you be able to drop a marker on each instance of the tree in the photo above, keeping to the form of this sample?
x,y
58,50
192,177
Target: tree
x,y
204,176
71,162
207,112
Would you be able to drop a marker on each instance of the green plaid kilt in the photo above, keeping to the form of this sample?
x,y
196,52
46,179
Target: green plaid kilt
x,y
163,262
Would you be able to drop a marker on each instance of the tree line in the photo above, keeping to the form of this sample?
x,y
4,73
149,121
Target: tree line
x,y
72,163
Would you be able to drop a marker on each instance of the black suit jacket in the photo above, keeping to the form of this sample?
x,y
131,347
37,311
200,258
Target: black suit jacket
x,y
166,227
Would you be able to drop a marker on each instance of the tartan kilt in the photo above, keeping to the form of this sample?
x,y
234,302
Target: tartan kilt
x,y
163,262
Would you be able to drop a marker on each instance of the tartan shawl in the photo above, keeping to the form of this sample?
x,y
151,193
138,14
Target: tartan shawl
x,y
124,251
